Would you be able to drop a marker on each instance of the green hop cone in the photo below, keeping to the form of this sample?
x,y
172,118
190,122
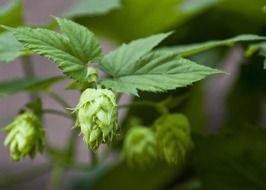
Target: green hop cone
x,y
25,136
173,137
97,116
139,147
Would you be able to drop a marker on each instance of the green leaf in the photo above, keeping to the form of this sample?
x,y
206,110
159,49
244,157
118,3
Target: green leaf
x,y
232,161
158,72
11,14
19,85
190,49
82,42
257,47
71,51
10,48
92,7
118,61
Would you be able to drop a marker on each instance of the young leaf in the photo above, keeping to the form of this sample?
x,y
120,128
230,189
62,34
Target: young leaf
x,y
82,42
158,72
92,7
118,61
257,47
71,51
190,49
34,84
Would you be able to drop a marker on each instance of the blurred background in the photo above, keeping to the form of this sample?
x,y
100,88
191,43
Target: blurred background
x,y
223,110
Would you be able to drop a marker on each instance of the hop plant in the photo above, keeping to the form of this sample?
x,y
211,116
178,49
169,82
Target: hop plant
x,y
139,147
173,137
25,136
97,116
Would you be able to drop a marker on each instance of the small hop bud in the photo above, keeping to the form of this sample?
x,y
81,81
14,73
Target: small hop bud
x,y
92,75
139,147
97,116
173,137
25,136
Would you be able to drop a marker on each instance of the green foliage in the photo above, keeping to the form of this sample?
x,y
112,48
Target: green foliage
x,y
257,47
121,176
92,7
11,14
138,18
128,54
158,72
10,48
19,85
232,161
136,67
173,137
187,50
71,51
251,10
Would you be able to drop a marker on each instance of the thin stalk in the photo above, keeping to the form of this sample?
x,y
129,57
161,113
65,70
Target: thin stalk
x,y
58,99
72,142
94,158
28,70
57,112
59,169
56,177
139,103
158,106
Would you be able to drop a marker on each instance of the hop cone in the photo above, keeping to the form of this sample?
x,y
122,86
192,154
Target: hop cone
x,y
139,147
97,116
173,137
25,136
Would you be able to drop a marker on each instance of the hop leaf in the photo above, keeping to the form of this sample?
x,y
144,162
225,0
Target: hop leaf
x,y
139,147
25,136
97,116
173,137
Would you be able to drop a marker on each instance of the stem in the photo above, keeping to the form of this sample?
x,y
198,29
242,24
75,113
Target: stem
x,y
56,176
57,112
72,143
59,168
28,72
160,107
94,159
58,99
139,103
